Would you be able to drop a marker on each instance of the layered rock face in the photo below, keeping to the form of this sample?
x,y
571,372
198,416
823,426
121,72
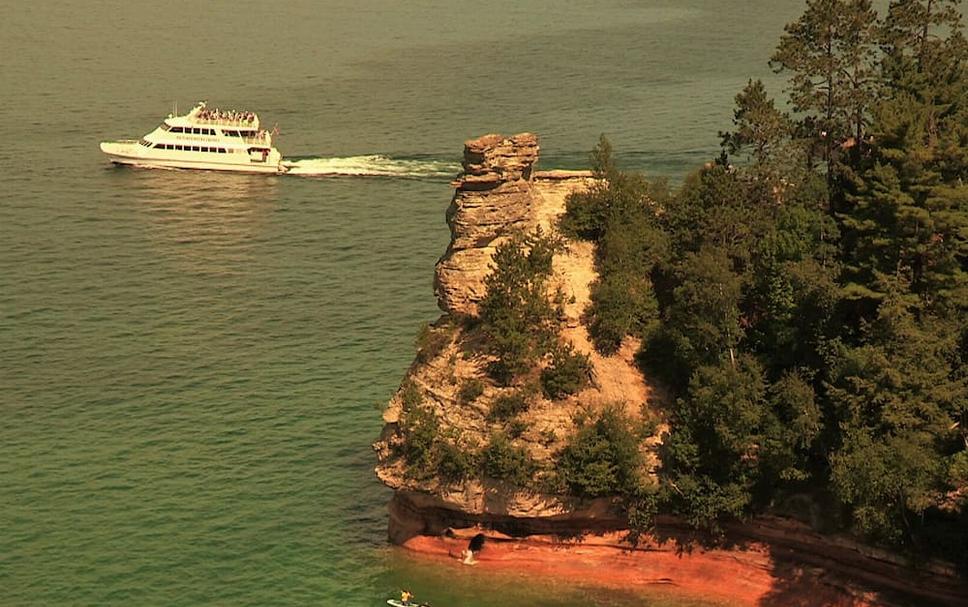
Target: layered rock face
x,y
498,195
494,199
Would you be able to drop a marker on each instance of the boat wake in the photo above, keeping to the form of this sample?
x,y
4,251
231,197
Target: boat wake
x,y
372,166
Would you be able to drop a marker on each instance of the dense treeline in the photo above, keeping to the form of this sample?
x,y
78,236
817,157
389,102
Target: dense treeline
x,y
806,294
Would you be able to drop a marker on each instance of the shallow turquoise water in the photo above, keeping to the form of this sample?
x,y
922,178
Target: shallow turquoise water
x,y
192,365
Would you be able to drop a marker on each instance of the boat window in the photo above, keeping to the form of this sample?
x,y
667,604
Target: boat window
x,y
194,148
164,126
176,129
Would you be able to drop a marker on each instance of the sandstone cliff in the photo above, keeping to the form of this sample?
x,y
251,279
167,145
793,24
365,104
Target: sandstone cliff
x,y
500,194
768,561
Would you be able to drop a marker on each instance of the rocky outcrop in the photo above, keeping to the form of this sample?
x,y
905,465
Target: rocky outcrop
x,y
498,194
494,199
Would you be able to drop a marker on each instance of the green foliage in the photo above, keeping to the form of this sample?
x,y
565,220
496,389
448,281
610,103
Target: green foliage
x,y
714,450
427,450
702,323
621,305
790,430
603,457
507,406
470,390
640,511
760,127
517,427
431,341
568,372
516,316
410,395
885,479
811,319
419,428
828,53
502,460
619,213
623,300
616,197
455,463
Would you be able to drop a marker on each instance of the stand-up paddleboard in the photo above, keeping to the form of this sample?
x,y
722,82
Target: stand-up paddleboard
x,y
399,603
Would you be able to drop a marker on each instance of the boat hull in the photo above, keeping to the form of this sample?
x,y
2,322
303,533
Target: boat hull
x,y
130,153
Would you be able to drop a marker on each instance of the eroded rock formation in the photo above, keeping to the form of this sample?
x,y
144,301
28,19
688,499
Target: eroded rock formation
x,y
494,199
769,561
498,195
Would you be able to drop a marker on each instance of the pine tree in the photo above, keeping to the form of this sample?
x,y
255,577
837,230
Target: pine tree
x,y
907,211
712,456
829,52
760,127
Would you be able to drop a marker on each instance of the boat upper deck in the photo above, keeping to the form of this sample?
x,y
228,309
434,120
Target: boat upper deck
x,y
244,119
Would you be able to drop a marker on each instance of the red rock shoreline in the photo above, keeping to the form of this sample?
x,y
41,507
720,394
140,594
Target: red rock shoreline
x,y
769,562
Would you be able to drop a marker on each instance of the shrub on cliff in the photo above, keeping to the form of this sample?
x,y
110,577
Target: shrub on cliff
x,y
603,457
470,390
455,462
502,460
431,341
516,316
507,406
410,396
427,451
619,214
568,372
419,428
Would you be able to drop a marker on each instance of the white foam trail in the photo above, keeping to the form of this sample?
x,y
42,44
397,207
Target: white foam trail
x,y
372,166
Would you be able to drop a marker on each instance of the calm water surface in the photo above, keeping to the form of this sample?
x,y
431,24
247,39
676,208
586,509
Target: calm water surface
x,y
192,365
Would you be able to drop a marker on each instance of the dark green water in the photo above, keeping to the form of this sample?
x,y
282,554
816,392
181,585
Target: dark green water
x,y
192,365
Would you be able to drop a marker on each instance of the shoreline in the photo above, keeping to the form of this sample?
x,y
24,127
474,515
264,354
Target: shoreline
x,y
767,562
752,576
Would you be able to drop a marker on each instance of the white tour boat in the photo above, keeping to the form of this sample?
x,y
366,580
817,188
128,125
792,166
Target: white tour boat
x,y
219,140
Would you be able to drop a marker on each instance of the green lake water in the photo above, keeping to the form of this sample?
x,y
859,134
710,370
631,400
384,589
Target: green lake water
x,y
192,365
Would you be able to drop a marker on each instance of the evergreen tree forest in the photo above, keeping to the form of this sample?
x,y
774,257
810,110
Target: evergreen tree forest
x,y
805,294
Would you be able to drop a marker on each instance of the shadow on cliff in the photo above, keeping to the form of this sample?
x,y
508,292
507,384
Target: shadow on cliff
x,y
799,586
814,580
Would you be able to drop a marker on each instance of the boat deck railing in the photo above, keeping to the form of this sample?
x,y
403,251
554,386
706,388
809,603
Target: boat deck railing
x,y
253,124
